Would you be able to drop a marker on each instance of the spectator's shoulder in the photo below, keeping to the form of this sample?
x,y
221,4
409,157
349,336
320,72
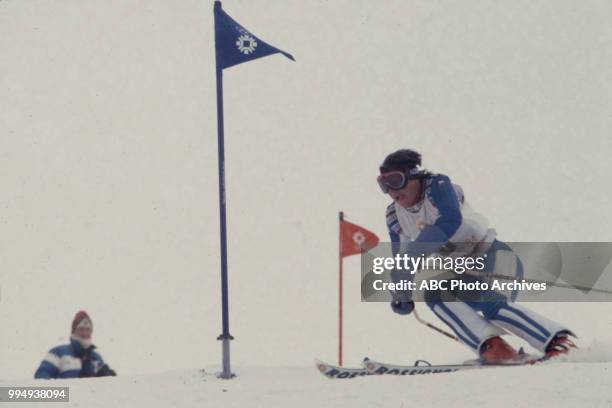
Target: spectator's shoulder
x,y
54,358
61,351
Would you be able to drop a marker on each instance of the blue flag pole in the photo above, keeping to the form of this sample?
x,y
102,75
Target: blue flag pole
x,y
233,45
225,336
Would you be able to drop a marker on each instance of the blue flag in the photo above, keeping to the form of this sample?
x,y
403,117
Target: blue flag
x,y
235,45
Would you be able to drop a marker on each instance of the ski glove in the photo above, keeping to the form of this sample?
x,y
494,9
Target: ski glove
x,y
403,308
106,371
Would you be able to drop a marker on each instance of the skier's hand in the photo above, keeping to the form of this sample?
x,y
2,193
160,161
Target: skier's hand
x,y
403,308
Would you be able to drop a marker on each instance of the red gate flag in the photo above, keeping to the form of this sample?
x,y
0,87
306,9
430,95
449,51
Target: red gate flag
x,y
355,239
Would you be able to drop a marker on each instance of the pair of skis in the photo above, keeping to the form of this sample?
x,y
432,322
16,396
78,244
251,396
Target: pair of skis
x,y
420,367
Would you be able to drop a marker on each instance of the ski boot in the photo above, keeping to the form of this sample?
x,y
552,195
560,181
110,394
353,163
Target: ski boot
x,y
496,351
559,345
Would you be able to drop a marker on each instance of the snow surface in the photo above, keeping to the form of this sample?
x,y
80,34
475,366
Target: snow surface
x,y
109,186
563,384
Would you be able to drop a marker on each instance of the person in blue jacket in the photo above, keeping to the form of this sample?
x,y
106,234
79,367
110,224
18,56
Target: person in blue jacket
x,y
77,359
430,215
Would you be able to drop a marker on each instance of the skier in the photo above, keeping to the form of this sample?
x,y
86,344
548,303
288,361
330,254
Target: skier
x,y
77,359
429,215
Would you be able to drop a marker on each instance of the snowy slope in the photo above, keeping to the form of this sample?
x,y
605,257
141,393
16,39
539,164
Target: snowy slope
x,y
551,385
581,379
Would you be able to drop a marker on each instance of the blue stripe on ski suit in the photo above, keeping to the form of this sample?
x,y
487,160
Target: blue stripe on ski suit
x,y
542,336
472,341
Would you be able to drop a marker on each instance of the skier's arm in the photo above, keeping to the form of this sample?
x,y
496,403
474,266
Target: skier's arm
x,y
443,196
402,301
49,367
433,237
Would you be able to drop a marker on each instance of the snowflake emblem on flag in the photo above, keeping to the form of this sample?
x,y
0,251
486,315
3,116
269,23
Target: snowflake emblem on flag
x,y
246,44
359,238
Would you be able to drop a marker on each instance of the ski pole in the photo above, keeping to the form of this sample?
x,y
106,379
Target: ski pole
x,y
431,326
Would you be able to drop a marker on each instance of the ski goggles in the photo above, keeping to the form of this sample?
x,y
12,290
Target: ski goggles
x,y
396,180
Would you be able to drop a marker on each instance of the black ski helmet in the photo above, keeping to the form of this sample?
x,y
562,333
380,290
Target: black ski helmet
x,y
404,160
